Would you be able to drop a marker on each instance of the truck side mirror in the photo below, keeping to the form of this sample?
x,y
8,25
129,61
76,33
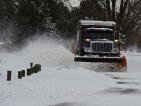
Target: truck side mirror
x,y
117,37
123,38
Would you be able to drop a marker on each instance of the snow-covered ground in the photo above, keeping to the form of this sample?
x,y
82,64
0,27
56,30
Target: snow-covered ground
x,y
61,79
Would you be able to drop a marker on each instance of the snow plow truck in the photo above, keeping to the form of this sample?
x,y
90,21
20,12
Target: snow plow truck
x,y
98,41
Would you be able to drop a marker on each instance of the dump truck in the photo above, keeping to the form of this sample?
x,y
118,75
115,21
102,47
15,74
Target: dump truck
x,y
99,41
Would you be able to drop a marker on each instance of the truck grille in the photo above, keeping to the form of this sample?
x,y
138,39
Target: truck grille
x,y
101,47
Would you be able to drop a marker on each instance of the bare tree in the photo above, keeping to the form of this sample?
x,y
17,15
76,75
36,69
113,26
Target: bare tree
x,y
126,13
8,9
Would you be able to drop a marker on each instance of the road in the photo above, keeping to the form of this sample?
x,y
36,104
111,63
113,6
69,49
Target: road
x,y
126,92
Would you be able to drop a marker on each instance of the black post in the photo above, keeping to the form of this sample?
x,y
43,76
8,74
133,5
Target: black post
x,y
23,73
31,65
28,71
19,74
38,67
32,70
35,69
9,75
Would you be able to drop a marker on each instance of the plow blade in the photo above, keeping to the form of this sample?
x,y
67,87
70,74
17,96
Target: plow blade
x,y
98,59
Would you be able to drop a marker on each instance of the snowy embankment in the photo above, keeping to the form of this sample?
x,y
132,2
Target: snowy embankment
x,y
59,81
51,86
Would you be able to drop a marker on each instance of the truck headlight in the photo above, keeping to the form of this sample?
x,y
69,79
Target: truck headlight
x,y
116,41
87,40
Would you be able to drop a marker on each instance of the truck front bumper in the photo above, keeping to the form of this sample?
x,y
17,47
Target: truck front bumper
x,y
97,59
102,54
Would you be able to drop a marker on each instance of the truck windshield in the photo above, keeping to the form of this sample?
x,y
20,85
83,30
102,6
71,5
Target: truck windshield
x,y
99,35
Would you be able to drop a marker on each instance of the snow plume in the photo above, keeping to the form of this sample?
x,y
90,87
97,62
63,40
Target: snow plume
x,y
47,52
133,49
50,52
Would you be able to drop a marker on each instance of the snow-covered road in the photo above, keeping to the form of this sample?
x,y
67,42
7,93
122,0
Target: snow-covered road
x,y
62,82
127,92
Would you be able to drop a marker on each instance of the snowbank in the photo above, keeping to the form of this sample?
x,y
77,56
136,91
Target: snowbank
x,y
52,86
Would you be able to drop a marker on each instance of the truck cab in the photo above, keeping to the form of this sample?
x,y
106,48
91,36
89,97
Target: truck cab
x,y
97,39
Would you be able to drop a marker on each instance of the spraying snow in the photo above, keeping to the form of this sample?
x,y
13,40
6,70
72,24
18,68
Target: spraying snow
x,y
48,53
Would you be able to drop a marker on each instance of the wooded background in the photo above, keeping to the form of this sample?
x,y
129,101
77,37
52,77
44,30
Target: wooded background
x,y
23,19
